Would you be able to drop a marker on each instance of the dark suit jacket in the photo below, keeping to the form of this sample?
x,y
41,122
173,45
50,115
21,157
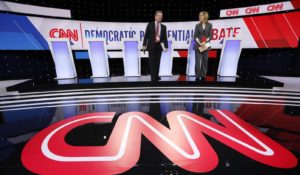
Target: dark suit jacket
x,y
149,38
199,33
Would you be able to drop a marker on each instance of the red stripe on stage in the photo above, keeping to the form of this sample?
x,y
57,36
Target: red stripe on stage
x,y
270,32
81,35
210,78
276,116
254,32
293,19
275,31
211,53
183,53
181,78
296,4
286,30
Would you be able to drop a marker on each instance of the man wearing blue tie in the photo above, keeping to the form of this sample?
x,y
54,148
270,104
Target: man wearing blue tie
x,y
155,41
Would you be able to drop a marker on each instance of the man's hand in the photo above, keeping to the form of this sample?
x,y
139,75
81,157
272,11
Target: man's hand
x,y
144,48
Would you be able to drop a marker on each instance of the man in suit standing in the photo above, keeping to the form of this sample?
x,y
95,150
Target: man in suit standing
x,y
155,41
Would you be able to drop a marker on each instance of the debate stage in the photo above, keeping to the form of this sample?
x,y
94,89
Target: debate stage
x,y
259,105
76,96
144,81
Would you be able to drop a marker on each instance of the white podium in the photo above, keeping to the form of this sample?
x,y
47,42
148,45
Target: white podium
x,y
231,51
98,58
63,58
131,58
166,61
190,66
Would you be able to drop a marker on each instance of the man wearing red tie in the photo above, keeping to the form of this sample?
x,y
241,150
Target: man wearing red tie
x,y
155,41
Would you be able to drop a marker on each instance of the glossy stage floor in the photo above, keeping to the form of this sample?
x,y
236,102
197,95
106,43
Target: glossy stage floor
x,y
131,126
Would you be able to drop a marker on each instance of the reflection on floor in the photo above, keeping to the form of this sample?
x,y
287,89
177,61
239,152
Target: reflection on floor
x,y
292,83
275,113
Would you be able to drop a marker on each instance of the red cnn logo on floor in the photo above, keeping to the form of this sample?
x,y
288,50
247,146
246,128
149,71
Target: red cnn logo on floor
x,y
184,144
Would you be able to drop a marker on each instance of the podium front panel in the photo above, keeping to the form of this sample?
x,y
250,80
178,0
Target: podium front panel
x,y
63,58
229,57
190,66
99,59
166,61
131,58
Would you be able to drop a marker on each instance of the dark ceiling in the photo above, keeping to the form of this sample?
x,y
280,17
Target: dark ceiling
x,y
143,10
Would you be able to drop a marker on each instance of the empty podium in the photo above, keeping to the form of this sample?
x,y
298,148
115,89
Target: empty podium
x,y
190,66
231,51
98,58
63,58
166,61
131,58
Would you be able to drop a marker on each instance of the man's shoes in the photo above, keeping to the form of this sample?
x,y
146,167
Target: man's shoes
x,y
203,78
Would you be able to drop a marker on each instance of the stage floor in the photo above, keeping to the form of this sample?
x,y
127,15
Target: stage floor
x,y
143,81
157,140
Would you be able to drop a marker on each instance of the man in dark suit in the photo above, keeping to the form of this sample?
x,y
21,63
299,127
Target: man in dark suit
x,y
155,41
